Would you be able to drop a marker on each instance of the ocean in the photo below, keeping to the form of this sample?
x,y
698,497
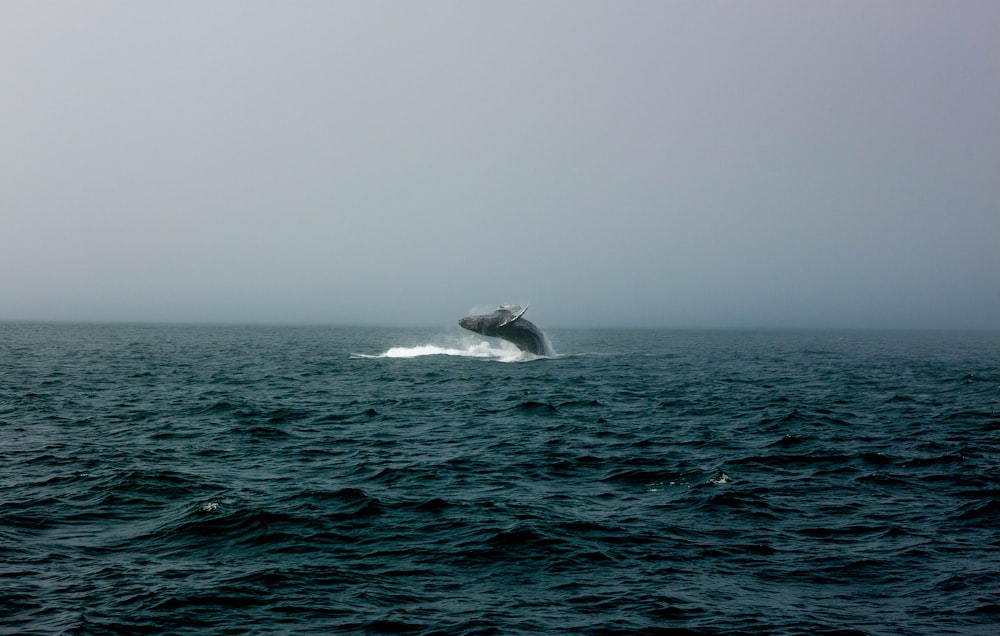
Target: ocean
x,y
249,479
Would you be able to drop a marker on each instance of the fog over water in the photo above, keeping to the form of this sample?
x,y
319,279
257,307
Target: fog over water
x,y
727,164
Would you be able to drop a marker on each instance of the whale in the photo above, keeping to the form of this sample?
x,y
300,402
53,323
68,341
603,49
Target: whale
x,y
508,323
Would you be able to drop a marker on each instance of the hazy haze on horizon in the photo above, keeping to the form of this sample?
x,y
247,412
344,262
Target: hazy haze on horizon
x,y
671,164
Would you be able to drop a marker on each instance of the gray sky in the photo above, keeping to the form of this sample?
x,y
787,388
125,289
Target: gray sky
x,y
675,164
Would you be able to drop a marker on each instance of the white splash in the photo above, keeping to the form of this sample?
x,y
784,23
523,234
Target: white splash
x,y
723,478
469,348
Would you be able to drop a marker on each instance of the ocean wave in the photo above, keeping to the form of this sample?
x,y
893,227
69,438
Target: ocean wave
x,y
229,480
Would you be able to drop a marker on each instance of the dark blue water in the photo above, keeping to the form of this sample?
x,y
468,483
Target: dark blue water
x,y
236,480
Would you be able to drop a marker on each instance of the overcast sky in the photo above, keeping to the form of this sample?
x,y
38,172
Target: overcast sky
x,y
675,164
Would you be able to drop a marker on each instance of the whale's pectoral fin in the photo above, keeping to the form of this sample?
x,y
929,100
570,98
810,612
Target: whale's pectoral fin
x,y
513,318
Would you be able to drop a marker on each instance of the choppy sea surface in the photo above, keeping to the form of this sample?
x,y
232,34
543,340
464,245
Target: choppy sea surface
x,y
235,479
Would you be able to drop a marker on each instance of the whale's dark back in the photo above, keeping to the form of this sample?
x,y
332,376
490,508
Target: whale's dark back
x,y
508,323
526,335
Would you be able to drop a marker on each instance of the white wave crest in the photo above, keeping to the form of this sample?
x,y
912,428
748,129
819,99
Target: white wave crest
x,y
467,349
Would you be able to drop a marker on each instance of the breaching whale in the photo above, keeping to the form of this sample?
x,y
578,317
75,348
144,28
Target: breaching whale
x,y
508,323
